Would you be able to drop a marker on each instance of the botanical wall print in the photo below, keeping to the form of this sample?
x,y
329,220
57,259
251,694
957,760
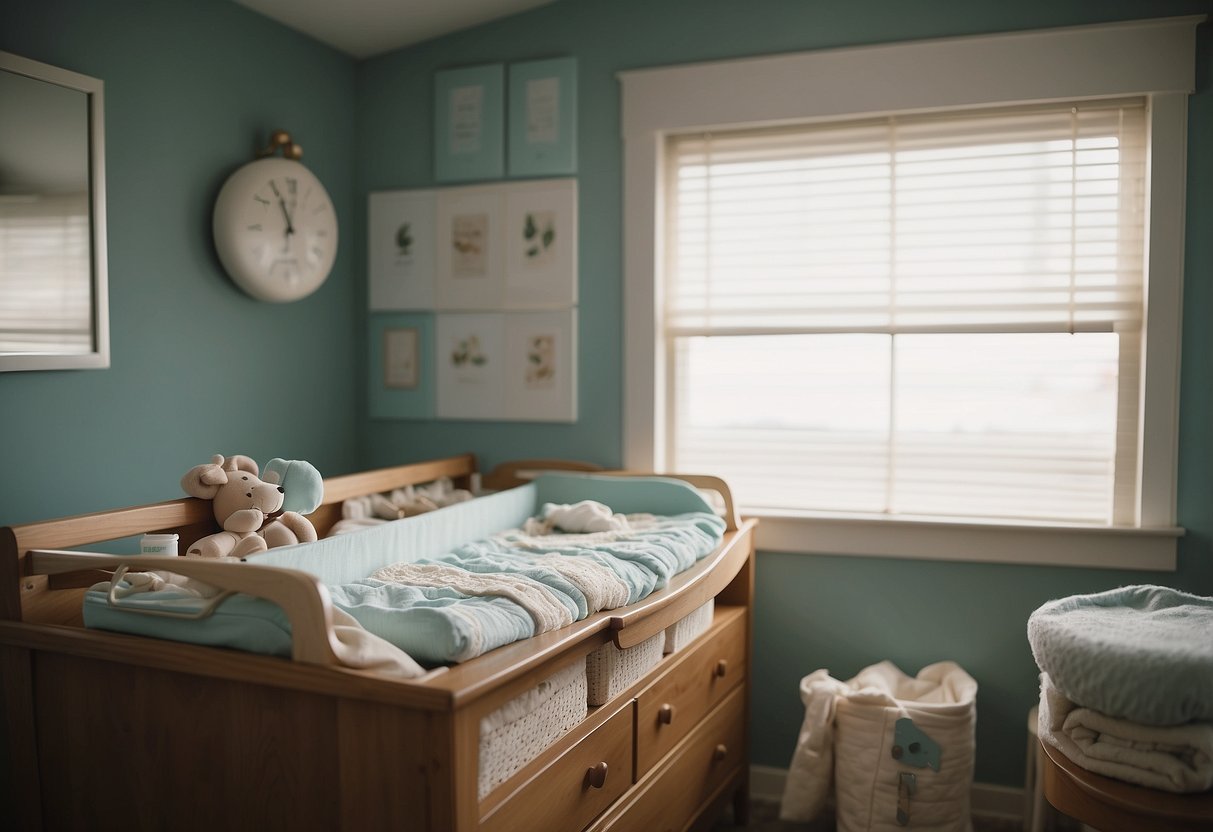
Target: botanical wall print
x,y
401,250
541,366
541,242
469,134
470,350
469,243
400,360
541,361
400,356
470,254
543,117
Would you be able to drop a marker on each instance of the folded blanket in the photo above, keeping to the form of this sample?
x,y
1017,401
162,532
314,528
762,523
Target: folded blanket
x,y
660,546
1177,758
355,647
1139,653
434,625
546,607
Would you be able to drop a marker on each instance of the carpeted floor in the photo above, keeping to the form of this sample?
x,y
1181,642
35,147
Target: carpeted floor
x,y
764,817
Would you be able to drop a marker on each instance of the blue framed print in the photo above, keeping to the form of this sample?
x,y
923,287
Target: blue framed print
x,y
543,118
401,362
469,123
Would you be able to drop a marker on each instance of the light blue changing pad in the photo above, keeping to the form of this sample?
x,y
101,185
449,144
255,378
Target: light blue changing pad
x,y
1140,653
433,625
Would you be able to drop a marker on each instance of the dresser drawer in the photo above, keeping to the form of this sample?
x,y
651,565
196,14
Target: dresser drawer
x,y
714,752
576,787
667,710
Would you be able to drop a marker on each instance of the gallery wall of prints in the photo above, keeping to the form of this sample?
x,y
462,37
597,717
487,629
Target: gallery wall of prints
x,y
473,288
473,294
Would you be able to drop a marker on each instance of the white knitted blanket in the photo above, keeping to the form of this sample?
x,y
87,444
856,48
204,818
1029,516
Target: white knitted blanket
x,y
1175,758
547,612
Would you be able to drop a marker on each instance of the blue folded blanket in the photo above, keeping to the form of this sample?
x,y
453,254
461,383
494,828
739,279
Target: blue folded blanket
x,y
1140,653
442,625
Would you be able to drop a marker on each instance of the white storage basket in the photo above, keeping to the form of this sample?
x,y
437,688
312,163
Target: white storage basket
x,y
689,628
851,736
520,730
609,670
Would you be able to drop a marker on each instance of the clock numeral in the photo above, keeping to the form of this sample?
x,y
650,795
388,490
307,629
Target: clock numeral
x,y
320,209
291,185
262,200
256,227
322,233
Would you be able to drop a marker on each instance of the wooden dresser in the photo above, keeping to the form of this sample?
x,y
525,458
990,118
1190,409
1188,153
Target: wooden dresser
x,y
104,729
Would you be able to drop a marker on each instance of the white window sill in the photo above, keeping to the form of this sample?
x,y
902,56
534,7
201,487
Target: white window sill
x,y
1026,543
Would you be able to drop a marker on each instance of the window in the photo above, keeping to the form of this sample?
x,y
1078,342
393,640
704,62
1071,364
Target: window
x,y
939,383
921,315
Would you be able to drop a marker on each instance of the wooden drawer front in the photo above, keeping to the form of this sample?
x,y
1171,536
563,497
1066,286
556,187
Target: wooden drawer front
x,y
670,708
563,795
715,751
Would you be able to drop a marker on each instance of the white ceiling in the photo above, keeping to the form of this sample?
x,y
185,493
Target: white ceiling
x,y
363,28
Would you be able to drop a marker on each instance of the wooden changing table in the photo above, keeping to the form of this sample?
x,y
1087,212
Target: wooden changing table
x,y
104,730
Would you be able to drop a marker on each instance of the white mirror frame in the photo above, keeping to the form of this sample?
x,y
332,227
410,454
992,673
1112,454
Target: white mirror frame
x,y
99,356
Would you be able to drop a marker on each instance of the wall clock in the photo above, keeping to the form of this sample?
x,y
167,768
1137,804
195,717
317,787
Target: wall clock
x,y
274,226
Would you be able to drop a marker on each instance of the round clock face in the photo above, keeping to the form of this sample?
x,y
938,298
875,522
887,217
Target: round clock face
x,y
275,230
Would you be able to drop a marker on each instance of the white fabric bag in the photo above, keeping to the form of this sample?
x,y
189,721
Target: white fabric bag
x,y
848,736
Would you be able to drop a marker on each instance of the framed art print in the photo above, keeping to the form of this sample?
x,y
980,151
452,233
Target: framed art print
x,y
540,366
400,358
470,255
543,117
469,129
400,361
541,245
400,253
469,358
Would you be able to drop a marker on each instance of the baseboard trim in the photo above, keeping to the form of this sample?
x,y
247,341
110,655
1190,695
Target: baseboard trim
x,y
987,799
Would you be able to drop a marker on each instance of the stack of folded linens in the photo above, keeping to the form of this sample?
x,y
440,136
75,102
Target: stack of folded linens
x,y
1127,684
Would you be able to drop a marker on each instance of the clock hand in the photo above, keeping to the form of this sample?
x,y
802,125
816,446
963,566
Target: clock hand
x,y
290,228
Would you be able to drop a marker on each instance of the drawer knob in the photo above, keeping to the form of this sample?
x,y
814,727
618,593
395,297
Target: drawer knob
x,y
595,776
665,714
722,667
721,752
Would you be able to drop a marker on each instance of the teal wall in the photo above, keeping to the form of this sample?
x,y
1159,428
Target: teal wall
x,y
835,612
197,367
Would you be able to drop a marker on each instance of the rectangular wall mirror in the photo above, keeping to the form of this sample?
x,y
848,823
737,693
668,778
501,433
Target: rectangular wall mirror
x,y
53,299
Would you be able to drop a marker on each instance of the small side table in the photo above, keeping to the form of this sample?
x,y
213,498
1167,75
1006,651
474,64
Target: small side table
x,y
1115,806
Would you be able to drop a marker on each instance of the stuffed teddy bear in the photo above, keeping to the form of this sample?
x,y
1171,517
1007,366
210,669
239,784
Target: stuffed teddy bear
x,y
256,514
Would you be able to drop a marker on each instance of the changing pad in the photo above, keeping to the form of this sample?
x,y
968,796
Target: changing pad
x,y
1140,653
441,621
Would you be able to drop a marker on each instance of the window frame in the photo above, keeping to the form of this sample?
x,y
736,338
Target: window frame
x,y
1151,58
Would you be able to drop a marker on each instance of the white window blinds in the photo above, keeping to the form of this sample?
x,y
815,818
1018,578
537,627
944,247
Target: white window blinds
x,y
1020,220
45,275
931,314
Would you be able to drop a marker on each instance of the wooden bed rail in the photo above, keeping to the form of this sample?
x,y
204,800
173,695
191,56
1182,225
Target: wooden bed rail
x,y
303,598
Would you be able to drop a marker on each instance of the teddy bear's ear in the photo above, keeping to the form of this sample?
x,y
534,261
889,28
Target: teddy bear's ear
x,y
301,483
240,462
203,481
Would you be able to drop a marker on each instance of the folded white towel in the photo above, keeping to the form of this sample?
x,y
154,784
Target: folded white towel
x,y
1175,758
547,612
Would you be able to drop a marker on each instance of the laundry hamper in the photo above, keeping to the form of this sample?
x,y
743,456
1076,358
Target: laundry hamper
x,y
897,750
